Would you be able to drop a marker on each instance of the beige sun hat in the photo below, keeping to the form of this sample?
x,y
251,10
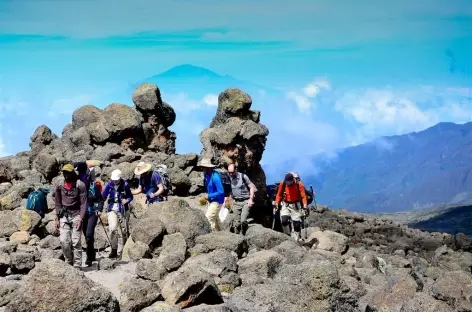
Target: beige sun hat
x,y
206,163
142,167
93,163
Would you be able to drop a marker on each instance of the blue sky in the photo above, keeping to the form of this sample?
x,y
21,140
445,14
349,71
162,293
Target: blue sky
x,y
345,72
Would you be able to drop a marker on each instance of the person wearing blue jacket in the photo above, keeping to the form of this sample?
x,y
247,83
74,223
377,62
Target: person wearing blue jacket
x,y
215,193
119,196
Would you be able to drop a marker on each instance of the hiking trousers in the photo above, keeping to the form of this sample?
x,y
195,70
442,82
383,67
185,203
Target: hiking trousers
x,y
71,239
292,210
117,228
88,228
241,212
213,217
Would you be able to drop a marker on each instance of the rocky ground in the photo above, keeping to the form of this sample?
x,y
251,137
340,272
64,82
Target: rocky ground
x,y
171,262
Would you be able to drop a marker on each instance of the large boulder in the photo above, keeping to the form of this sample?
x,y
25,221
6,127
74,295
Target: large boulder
x,y
137,294
264,238
235,136
178,216
42,136
55,285
224,240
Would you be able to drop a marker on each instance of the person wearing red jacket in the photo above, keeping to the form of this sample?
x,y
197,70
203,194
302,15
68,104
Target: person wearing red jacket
x,y
292,198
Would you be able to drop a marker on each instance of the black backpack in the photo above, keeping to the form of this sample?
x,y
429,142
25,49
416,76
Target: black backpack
x,y
225,180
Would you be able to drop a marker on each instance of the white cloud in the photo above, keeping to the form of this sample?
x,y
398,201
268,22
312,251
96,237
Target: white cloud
x,y
211,99
378,110
312,89
304,98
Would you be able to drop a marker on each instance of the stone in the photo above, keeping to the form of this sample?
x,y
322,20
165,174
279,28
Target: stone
x,y
20,237
4,263
446,288
8,290
106,264
329,241
264,238
224,240
27,220
50,242
149,230
137,294
21,262
54,283
263,263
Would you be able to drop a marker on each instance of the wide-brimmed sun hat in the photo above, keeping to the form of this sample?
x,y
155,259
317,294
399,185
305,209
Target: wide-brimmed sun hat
x,y
68,168
142,167
205,163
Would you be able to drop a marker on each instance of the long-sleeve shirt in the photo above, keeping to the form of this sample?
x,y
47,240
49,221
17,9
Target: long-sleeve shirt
x,y
214,188
293,193
74,199
112,192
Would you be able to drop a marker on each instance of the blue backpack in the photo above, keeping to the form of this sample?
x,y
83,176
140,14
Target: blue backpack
x,y
37,201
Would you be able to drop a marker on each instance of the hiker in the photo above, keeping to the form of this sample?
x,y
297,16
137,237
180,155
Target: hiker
x,y
150,183
70,205
215,193
94,208
291,195
242,193
119,196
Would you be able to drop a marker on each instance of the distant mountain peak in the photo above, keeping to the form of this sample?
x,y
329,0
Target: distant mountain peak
x,y
189,71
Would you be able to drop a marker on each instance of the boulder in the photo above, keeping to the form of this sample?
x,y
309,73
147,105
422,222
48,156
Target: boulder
x,y
149,230
41,137
217,263
329,241
66,287
171,257
425,303
177,216
8,290
263,263
448,259
454,288
50,242
137,294
121,122
291,251
209,308
8,224
188,287
20,237
161,306
264,238
21,262
85,115
224,240
27,220
46,164
138,251
4,263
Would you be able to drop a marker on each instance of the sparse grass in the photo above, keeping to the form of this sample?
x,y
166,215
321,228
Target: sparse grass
x,y
226,288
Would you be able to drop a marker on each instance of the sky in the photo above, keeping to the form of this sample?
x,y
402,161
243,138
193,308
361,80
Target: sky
x,y
329,73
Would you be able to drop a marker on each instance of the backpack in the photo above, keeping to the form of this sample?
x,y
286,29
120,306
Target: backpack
x,y
37,201
225,180
161,170
308,193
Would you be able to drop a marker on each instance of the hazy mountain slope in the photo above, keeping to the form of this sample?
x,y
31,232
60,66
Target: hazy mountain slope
x,y
400,173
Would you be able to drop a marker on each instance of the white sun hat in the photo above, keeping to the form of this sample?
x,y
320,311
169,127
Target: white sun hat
x,y
116,175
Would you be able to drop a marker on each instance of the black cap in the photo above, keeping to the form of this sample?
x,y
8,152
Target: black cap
x,y
288,177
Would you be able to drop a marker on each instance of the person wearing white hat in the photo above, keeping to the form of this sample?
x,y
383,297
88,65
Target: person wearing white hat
x,y
150,183
119,196
215,193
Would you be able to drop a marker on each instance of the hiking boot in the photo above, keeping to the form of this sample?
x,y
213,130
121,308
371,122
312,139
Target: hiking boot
x,y
113,254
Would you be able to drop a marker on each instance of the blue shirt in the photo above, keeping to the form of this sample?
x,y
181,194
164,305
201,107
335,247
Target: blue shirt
x,y
149,181
123,189
214,187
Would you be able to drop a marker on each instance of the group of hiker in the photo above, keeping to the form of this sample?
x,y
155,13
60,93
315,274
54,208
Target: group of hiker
x,y
80,199
291,200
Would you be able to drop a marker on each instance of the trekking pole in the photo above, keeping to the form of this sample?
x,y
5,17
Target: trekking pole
x,y
108,238
314,197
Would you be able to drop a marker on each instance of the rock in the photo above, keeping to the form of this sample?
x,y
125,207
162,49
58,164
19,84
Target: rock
x,y
80,137
186,287
98,132
66,287
41,137
138,251
106,264
149,230
8,290
121,122
209,308
264,238
7,246
446,288
13,198
224,240
177,216
425,303
50,242
291,251
171,257
47,254
46,164
180,181
447,259
4,263
8,224
162,307
21,237
329,241
147,97
137,294
27,220
21,262
217,263
263,263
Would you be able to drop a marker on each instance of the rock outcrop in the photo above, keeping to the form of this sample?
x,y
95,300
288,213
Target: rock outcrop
x,y
236,136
